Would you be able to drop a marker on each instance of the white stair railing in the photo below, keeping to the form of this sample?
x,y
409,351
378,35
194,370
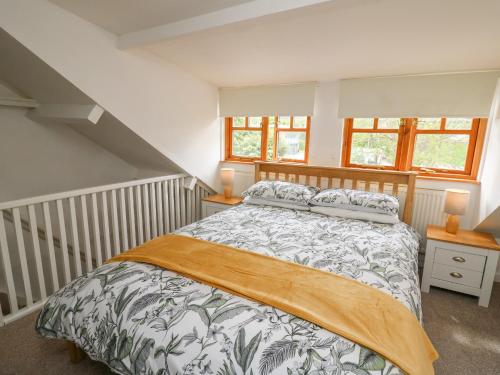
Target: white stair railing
x,y
48,241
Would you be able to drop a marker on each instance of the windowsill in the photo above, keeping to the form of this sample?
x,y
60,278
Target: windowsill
x,y
451,179
270,161
237,162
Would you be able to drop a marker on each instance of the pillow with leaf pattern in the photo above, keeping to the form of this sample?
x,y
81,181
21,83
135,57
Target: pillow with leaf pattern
x,y
357,200
281,191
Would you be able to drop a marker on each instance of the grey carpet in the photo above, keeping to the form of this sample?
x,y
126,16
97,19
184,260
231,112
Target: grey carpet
x,y
466,336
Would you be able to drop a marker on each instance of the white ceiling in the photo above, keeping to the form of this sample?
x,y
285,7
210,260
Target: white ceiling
x,y
333,40
125,16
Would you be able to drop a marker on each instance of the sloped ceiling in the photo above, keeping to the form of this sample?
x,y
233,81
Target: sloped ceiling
x,y
333,40
34,79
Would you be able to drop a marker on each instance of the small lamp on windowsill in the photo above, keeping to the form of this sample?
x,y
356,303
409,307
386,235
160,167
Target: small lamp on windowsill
x,y
227,178
455,204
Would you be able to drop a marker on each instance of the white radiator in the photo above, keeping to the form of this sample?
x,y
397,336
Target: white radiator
x,y
427,209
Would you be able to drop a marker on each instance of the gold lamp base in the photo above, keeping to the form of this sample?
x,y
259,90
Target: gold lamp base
x,y
228,191
452,224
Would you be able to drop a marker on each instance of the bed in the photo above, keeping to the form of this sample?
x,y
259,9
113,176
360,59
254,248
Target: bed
x,y
141,319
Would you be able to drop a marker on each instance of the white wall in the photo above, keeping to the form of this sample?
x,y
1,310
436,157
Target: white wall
x,y
170,109
490,169
37,159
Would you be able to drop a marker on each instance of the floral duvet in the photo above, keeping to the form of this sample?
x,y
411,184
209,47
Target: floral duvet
x,y
141,319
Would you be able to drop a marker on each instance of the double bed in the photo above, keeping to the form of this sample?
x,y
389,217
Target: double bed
x,y
142,319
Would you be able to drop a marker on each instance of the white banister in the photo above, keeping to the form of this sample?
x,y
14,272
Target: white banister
x,y
105,222
86,233
4,248
114,214
159,207
65,242
36,250
74,232
171,210
131,217
182,202
177,202
86,191
138,205
50,245
97,233
147,218
166,205
123,219
154,224
22,256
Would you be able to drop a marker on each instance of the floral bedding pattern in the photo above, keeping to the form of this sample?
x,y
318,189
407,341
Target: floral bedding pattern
x,y
357,199
282,191
141,319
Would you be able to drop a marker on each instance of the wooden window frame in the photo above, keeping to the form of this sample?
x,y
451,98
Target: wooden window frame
x,y
349,129
407,135
229,129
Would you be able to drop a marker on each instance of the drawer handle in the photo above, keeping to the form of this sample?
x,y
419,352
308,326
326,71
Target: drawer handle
x,y
458,259
456,275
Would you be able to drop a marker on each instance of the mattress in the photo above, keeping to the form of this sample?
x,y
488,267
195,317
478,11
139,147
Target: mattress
x,y
141,319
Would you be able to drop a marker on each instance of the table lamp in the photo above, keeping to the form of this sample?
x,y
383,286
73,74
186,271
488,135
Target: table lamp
x,y
455,204
227,177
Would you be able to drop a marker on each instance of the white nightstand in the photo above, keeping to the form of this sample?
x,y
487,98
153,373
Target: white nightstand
x,y
465,262
217,203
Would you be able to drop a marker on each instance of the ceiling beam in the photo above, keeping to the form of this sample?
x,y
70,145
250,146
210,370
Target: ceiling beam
x,y
243,12
69,113
18,102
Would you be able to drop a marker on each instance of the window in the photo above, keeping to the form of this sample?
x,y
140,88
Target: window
x,y
439,147
278,138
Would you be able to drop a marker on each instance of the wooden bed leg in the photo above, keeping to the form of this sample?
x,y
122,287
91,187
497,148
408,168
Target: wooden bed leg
x,y
76,354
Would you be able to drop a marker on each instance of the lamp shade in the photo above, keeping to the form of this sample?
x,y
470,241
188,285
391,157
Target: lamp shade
x,y
226,176
456,201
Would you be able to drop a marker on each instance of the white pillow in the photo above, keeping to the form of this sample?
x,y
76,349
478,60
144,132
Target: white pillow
x,y
282,204
357,200
360,215
281,191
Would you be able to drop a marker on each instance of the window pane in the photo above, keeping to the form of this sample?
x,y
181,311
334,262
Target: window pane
x,y
254,122
246,143
270,138
429,123
284,122
459,123
238,122
388,123
444,151
363,123
292,145
374,148
300,122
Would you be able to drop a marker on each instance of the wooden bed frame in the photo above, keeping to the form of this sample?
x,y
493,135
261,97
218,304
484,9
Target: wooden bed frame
x,y
327,177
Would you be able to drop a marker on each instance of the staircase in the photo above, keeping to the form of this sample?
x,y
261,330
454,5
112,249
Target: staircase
x,y
47,241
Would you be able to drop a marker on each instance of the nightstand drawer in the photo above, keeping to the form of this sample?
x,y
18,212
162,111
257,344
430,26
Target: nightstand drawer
x,y
457,275
460,260
214,209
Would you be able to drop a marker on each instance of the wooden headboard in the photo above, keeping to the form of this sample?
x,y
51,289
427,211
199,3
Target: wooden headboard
x,y
327,177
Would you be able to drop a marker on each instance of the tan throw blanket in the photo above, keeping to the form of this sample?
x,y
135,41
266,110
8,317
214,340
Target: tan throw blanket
x,y
346,307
